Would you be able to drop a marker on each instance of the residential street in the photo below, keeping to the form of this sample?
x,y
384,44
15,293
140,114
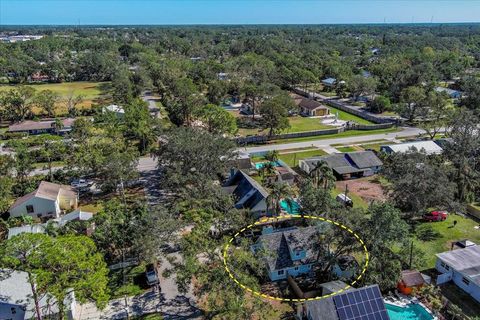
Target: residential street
x,y
323,143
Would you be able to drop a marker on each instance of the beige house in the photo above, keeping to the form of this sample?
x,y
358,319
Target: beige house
x,y
48,201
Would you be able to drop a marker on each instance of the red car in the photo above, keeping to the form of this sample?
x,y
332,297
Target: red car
x,y
436,216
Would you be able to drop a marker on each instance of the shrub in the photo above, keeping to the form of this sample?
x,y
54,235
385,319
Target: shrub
x,y
427,233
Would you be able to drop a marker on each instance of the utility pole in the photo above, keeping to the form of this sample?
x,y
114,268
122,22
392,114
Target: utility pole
x,y
411,256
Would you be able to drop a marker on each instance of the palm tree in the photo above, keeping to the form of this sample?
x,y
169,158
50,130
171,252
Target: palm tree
x,y
266,171
277,193
322,175
272,156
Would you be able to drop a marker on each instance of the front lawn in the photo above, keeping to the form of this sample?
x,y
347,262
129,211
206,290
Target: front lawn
x,y
292,158
300,124
447,234
297,124
346,149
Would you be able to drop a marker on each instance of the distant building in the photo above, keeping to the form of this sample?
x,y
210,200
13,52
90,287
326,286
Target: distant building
x,y
222,76
247,193
346,165
454,94
48,201
39,127
289,252
364,303
462,266
16,302
117,110
329,82
429,147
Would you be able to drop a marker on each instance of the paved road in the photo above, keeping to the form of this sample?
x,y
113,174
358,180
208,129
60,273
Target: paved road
x,y
325,143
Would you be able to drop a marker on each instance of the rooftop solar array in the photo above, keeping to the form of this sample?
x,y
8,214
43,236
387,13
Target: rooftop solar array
x,y
362,304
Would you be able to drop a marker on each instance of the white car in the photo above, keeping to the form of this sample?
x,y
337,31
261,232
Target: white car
x,y
82,184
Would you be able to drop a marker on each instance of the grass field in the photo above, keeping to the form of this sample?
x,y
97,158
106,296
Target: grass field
x,y
447,234
297,124
292,158
346,149
92,92
342,115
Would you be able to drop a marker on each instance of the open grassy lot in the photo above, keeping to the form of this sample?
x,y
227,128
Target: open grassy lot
x,y
92,92
342,115
446,235
292,158
297,124
376,145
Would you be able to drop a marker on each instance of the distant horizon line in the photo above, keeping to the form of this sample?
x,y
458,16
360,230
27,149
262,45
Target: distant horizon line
x,y
243,24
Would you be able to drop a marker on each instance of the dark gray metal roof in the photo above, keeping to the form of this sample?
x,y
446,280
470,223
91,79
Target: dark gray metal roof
x,y
344,163
364,159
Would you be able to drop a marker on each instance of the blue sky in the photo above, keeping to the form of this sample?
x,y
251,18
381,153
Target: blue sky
x,y
235,11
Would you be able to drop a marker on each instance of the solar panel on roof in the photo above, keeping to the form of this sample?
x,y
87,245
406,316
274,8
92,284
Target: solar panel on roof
x,y
365,304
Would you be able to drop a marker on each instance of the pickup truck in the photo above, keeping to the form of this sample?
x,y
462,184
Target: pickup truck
x,y
435,216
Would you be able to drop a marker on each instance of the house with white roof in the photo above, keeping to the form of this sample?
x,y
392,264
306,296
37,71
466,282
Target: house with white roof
x,y
113,108
429,147
48,201
16,302
462,266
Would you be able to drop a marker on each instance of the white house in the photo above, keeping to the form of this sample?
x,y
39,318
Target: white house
x,y
48,201
16,302
429,147
462,266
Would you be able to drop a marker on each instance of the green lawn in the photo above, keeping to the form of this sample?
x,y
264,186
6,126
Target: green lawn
x,y
90,91
346,149
342,115
463,230
42,165
376,146
292,158
297,124
349,133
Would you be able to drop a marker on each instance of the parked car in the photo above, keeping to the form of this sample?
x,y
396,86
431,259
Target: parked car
x,y
82,184
435,216
151,274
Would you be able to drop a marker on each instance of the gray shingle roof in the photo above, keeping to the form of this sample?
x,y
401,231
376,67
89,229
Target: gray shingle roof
x,y
277,245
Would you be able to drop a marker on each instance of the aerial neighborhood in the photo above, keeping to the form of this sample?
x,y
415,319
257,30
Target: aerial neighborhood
x,y
240,172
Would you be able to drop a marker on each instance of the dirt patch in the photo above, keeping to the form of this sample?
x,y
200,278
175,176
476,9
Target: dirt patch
x,y
366,188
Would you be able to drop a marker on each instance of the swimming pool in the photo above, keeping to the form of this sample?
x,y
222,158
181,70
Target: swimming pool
x,y
294,208
260,165
410,312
